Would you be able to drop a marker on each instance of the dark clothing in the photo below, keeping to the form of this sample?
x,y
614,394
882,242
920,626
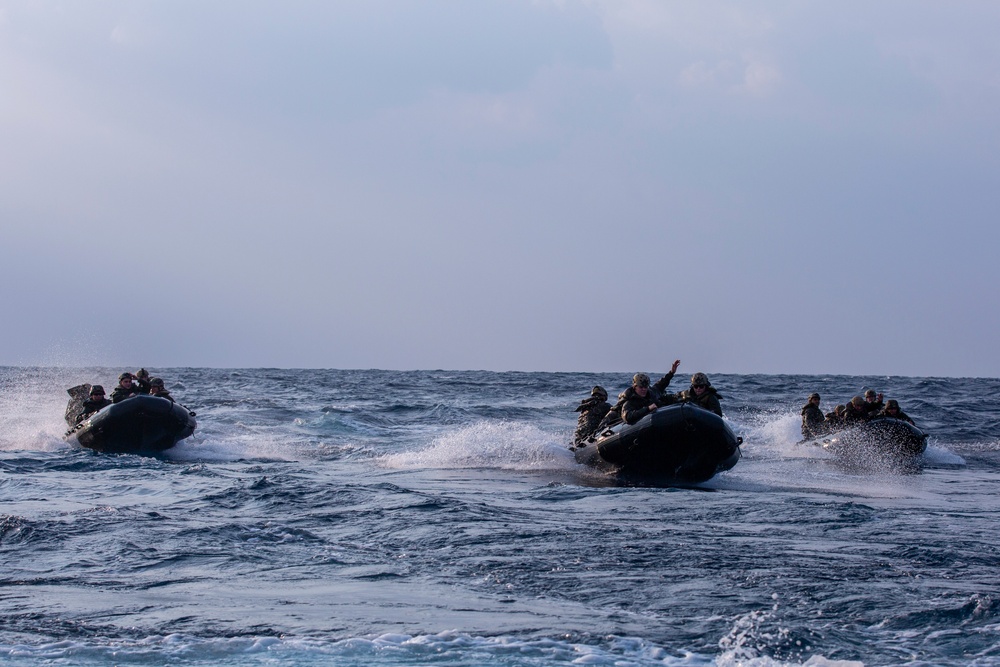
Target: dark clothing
x,y
121,393
141,386
163,393
813,425
77,396
709,400
592,411
873,408
614,415
657,394
635,407
90,406
659,390
899,415
854,415
832,421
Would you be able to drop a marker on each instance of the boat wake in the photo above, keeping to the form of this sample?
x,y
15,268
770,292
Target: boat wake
x,y
499,444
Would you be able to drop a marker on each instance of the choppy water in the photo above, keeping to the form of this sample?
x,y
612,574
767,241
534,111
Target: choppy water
x,y
384,518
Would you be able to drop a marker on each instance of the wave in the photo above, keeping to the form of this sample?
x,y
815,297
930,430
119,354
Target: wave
x,y
500,444
743,648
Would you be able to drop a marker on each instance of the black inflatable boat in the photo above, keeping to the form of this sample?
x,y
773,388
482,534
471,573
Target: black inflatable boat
x,y
883,439
681,443
145,425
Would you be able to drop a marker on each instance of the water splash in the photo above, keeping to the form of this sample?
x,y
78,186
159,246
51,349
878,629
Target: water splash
x,y
498,444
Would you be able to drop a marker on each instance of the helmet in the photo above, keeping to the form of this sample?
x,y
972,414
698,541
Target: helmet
x,y
892,403
600,392
97,389
813,395
156,382
857,401
124,375
142,374
640,380
700,378
870,393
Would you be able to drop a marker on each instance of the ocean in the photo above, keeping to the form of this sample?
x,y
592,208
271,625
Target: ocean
x,y
366,517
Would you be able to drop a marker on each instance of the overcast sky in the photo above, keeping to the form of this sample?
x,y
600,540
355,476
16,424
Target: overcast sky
x,y
575,185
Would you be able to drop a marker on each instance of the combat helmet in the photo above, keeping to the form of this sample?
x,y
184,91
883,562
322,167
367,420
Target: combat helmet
x,y
700,378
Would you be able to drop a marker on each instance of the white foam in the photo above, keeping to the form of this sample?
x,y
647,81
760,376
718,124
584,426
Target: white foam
x,y
499,444
444,648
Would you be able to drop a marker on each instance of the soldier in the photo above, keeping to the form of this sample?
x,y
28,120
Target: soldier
x,y
702,394
873,403
142,381
657,392
156,388
892,410
592,410
813,424
94,403
637,401
855,412
125,388
835,418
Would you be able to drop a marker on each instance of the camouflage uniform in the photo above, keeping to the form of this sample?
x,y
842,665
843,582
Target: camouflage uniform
x,y
812,420
835,418
657,394
90,406
141,380
873,407
708,400
121,393
855,411
592,410
635,407
893,404
161,391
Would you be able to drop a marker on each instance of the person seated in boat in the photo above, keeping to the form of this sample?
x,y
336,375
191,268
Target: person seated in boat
x,y
813,422
892,410
156,388
873,402
835,418
592,410
125,388
657,391
93,404
702,394
856,412
638,400
141,378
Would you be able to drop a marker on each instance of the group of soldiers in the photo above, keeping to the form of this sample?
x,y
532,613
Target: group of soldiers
x,y
642,398
639,400
129,385
815,424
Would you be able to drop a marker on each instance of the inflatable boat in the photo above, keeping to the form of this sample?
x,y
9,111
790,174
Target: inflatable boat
x,y
679,443
881,440
145,425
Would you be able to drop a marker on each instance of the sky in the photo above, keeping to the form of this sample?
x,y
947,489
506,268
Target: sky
x,y
537,185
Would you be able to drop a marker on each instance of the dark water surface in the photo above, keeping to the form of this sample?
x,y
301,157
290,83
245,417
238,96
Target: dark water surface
x,y
391,518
